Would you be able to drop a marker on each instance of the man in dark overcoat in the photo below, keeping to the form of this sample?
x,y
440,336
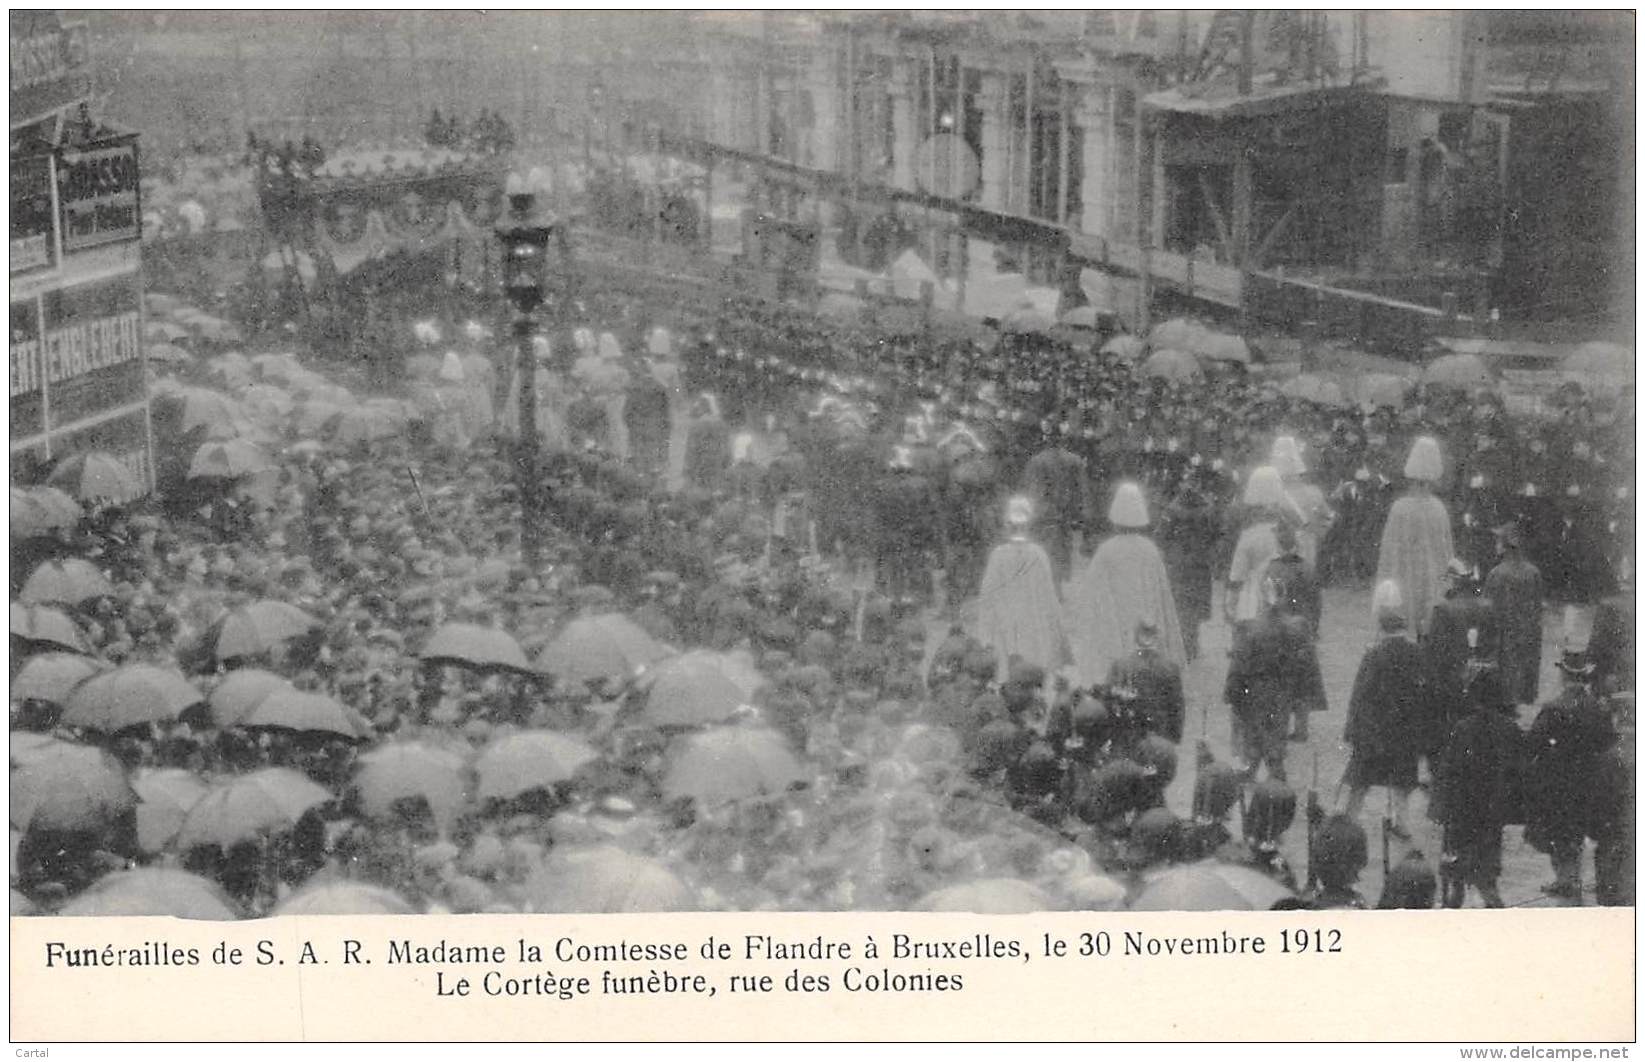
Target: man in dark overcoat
x,y
1566,743
1273,673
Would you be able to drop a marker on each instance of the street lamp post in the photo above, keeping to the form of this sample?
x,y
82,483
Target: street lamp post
x,y
524,234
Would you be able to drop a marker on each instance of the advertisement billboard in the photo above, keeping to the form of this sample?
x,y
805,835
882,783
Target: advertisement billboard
x,y
91,349
33,218
27,374
50,65
98,195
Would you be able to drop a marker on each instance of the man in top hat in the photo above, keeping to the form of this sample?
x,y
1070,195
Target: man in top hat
x,y
1124,584
1463,628
1514,588
1565,746
1189,532
1475,788
906,515
1018,613
1416,540
1385,712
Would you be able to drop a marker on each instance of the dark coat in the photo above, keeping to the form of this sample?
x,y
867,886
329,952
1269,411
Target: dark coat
x,y
1515,590
1565,744
1478,778
1057,482
1299,588
1446,654
1190,533
1158,684
1611,645
1384,716
1273,672
707,454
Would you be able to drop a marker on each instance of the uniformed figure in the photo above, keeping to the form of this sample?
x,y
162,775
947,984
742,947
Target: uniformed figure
x,y
905,522
1475,789
1566,743
1189,531
1410,885
1514,588
1295,575
1385,713
1269,812
1340,856
1273,672
1155,683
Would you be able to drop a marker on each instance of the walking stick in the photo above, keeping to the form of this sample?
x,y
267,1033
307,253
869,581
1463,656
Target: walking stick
x,y
1315,814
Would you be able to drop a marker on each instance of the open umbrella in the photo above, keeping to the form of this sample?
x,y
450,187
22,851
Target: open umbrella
x,y
67,582
51,677
290,708
41,510
233,369
403,770
1381,389
212,411
1311,388
1169,364
230,459
1128,348
736,665
265,801
604,646
534,759
1465,372
279,367
129,696
691,693
94,476
732,763
47,627
268,402
604,879
470,645
339,896
1219,346
361,424
242,691
1600,359
168,353
1026,320
63,785
257,628
153,891
1178,333
165,797
164,331
1210,886
989,896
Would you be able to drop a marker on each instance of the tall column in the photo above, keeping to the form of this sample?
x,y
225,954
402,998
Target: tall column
x,y
904,130
1094,115
992,104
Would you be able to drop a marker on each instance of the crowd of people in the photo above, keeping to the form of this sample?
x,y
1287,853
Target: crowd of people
x,y
918,668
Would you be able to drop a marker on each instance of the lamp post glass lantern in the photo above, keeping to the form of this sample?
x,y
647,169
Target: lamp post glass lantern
x,y
524,236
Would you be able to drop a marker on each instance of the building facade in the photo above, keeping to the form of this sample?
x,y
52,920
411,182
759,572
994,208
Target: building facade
x,y
78,379
1476,164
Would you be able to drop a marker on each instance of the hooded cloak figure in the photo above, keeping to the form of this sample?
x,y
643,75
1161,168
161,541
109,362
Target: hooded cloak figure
x,y
1416,540
1258,544
1017,609
1124,584
1305,497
